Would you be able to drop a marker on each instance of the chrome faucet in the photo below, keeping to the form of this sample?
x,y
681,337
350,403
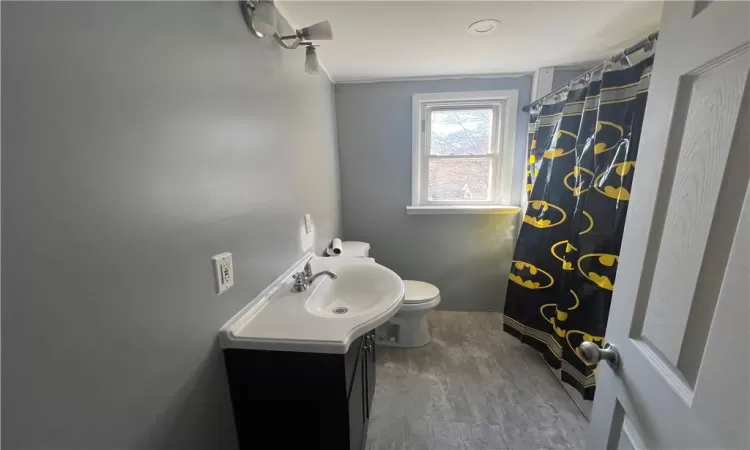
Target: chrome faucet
x,y
303,280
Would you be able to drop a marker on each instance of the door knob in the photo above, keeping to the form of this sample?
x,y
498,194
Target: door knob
x,y
592,354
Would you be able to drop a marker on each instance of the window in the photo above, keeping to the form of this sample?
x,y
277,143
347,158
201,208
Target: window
x,y
463,150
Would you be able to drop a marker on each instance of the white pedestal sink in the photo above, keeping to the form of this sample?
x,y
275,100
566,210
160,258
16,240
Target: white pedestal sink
x,y
326,317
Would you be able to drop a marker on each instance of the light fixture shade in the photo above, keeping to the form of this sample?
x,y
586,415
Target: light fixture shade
x,y
264,18
320,31
311,60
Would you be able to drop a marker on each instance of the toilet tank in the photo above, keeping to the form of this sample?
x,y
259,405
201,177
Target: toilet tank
x,y
355,249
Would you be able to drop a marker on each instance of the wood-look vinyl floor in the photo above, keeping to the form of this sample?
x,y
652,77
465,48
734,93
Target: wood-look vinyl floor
x,y
472,388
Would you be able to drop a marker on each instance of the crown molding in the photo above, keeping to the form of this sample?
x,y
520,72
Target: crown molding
x,y
433,78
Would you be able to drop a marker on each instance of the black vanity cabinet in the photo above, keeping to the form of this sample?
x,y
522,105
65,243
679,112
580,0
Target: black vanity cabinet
x,y
297,400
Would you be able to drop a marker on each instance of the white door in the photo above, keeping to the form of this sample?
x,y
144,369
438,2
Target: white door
x,y
681,306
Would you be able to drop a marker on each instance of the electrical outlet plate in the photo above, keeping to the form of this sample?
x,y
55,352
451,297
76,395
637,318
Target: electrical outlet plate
x,y
223,272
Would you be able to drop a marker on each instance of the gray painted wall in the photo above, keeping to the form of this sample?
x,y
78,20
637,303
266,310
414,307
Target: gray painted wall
x,y
140,139
560,77
467,256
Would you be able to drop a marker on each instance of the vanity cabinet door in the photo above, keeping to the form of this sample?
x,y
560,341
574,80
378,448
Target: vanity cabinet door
x,y
370,360
358,403
351,360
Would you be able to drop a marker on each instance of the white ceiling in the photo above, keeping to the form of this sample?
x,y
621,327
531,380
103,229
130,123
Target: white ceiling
x,y
399,39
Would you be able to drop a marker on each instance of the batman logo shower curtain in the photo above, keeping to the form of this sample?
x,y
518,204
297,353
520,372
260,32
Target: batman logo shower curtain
x,y
582,156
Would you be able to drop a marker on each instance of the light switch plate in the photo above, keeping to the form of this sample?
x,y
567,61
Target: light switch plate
x,y
306,234
223,272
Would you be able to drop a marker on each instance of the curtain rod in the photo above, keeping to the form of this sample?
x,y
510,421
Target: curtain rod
x,y
628,51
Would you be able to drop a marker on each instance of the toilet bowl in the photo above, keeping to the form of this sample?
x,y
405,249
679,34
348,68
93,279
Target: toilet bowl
x,y
408,328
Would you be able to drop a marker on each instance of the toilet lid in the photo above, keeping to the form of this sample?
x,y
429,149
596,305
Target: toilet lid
x,y
419,291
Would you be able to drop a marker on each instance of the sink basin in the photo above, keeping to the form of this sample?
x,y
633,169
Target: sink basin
x,y
326,317
358,290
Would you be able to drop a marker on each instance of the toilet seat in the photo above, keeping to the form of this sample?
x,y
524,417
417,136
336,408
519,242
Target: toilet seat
x,y
424,306
419,296
417,292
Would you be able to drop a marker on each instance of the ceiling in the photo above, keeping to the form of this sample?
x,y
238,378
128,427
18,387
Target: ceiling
x,y
376,40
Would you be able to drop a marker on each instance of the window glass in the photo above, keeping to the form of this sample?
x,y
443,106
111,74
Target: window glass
x,y
461,131
459,179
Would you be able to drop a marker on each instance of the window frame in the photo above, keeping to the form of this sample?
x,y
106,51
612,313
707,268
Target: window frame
x,y
505,105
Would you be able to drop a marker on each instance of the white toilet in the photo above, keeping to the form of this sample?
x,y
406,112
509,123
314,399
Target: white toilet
x,y
408,328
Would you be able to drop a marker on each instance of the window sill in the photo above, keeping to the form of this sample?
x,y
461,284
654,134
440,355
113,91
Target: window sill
x,y
456,209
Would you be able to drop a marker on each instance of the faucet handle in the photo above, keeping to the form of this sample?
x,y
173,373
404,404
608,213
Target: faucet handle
x,y
300,282
308,268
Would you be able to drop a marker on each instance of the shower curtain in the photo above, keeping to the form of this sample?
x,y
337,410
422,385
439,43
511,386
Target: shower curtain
x,y
581,160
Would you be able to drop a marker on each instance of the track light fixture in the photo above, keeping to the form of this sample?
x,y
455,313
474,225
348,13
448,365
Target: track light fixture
x,y
320,31
263,19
